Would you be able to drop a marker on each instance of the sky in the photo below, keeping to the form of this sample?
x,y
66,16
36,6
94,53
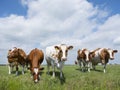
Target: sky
x,y
30,24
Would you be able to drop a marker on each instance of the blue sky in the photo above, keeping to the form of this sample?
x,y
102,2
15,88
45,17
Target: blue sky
x,y
29,24
112,5
15,6
12,6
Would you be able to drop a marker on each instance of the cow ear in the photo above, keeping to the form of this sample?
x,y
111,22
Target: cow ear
x,y
57,48
115,51
70,47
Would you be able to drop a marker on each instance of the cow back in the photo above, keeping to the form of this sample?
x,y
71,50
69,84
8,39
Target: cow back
x,y
35,57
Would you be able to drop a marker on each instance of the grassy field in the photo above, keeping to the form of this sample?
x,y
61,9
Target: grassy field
x,y
74,79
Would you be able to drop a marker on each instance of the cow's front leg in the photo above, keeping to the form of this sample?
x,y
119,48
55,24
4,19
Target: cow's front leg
x,y
104,66
53,71
79,63
22,69
89,66
9,67
48,68
16,69
61,75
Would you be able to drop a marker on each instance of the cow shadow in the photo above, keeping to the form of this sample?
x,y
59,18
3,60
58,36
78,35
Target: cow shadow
x,y
79,69
57,75
97,70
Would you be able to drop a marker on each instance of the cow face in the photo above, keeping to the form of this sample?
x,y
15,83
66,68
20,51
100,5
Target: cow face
x,y
63,51
13,53
111,53
35,72
86,55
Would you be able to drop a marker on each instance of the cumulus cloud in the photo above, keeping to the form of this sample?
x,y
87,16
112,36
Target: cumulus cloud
x,y
49,22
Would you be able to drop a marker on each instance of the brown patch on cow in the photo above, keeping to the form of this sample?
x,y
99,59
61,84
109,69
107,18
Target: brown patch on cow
x,y
35,59
104,56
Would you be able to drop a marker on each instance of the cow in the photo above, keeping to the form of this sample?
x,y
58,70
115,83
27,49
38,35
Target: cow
x,y
56,56
35,59
16,56
102,55
83,59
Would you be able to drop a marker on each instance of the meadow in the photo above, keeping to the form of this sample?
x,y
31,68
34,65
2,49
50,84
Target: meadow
x,y
73,79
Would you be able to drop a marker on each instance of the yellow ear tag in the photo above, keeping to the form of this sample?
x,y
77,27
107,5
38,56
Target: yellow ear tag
x,y
56,49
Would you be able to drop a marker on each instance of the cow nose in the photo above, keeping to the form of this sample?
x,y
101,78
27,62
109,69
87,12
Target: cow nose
x,y
111,58
36,81
64,59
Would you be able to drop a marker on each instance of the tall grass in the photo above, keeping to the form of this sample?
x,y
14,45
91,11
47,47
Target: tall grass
x,y
73,79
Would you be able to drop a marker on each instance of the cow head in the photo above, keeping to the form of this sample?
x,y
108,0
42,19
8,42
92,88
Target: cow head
x,y
63,51
35,72
13,53
111,53
84,54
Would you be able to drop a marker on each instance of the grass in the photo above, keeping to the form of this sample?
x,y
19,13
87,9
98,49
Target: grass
x,y
73,79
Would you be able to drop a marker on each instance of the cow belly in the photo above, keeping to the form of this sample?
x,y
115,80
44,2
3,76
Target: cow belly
x,y
96,60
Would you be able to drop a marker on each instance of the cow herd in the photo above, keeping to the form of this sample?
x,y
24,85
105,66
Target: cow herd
x,y
56,56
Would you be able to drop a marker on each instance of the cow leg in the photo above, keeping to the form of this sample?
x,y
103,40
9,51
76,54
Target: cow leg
x,y
22,69
82,66
79,63
48,68
61,76
16,69
104,66
53,70
9,67
88,66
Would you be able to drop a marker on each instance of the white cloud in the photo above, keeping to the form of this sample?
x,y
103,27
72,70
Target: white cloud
x,y
48,22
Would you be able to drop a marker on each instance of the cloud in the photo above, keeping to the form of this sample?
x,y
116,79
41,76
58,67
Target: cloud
x,y
49,22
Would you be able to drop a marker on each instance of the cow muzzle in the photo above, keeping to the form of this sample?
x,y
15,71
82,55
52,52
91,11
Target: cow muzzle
x,y
64,59
111,58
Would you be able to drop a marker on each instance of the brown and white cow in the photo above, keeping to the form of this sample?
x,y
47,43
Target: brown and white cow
x,y
83,59
102,55
16,57
35,59
56,56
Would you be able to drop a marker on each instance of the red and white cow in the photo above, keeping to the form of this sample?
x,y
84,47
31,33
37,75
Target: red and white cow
x,y
102,55
83,59
56,56
35,59
16,56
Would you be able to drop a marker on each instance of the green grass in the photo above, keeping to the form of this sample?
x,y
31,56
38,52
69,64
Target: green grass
x,y
74,79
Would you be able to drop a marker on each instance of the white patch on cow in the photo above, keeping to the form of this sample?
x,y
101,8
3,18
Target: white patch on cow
x,y
64,48
97,56
36,70
110,53
36,80
87,55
